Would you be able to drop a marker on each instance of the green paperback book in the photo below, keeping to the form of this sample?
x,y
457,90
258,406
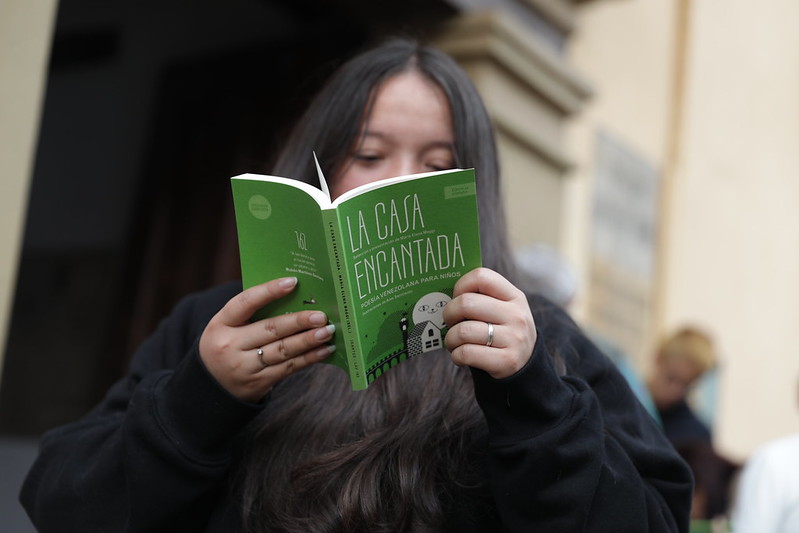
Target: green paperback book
x,y
381,260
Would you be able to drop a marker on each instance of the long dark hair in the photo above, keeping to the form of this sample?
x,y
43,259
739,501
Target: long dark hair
x,y
401,455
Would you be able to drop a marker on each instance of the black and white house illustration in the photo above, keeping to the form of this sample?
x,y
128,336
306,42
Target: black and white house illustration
x,y
425,335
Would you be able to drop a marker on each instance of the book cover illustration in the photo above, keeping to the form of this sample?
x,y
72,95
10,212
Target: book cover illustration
x,y
380,260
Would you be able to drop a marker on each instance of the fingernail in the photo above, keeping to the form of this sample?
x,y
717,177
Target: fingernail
x,y
325,350
323,334
318,318
287,283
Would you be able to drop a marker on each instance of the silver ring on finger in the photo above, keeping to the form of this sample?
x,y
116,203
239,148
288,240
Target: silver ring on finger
x,y
260,352
490,336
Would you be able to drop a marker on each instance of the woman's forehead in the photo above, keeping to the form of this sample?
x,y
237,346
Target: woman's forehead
x,y
409,101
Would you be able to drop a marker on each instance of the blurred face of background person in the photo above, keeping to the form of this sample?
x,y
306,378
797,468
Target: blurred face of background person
x,y
672,380
680,361
408,131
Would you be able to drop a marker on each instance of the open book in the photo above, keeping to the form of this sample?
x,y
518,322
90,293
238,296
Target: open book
x,y
381,260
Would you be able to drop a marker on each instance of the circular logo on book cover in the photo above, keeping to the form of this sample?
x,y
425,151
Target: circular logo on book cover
x,y
260,207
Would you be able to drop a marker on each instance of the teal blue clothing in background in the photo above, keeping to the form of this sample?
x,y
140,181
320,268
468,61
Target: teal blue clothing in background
x,y
635,380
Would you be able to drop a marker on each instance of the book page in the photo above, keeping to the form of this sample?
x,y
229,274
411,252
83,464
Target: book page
x,y
382,183
321,176
322,198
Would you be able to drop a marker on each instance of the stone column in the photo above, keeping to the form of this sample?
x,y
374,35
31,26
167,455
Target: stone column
x,y
530,93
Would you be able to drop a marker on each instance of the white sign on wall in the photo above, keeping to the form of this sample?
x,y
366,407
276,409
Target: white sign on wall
x,y
623,246
624,218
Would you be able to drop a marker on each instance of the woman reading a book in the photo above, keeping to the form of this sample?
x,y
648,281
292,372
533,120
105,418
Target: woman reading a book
x,y
227,424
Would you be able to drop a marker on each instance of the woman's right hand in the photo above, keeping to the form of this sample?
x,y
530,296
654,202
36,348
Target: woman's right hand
x,y
230,344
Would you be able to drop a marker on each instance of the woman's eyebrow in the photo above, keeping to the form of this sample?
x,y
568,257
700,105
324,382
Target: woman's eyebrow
x,y
372,133
383,135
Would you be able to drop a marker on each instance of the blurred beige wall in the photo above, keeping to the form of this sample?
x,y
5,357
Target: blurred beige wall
x,y
530,91
25,33
626,50
734,248
721,124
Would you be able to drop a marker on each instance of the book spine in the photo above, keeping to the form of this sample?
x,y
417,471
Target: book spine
x,y
338,267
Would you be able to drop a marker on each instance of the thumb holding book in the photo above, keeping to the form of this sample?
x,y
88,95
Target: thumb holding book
x,y
249,358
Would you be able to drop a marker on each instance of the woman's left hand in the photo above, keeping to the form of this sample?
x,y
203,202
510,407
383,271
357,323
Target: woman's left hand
x,y
490,324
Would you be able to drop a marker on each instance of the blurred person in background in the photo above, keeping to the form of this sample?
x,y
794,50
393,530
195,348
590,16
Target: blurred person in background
x,y
767,495
713,478
680,360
